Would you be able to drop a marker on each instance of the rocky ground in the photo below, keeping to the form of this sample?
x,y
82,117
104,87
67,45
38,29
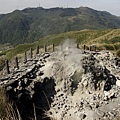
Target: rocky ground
x,y
69,84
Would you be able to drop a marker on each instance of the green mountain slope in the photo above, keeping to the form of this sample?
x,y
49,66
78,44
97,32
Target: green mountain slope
x,y
104,40
31,24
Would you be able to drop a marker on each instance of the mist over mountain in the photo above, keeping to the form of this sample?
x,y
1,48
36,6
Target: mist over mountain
x,y
30,24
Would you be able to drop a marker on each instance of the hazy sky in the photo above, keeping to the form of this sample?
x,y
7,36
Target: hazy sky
x,y
111,6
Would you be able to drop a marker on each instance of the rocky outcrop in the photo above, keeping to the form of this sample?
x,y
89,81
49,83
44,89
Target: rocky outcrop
x,y
90,88
31,94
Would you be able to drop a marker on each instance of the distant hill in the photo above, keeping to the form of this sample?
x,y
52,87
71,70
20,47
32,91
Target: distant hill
x,y
31,24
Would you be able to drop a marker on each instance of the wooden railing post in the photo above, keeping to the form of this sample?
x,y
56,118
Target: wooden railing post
x,y
78,46
84,47
25,57
53,47
7,67
37,49
95,48
31,53
16,62
45,48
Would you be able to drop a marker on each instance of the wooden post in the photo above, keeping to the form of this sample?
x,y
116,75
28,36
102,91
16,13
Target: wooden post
x,y
84,47
16,62
78,46
31,53
53,47
37,49
95,48
25,57
45,48
7,67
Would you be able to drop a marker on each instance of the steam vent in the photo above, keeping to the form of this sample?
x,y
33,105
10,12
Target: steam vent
x,y
67,84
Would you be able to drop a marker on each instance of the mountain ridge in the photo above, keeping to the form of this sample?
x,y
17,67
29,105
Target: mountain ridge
x,y
30,24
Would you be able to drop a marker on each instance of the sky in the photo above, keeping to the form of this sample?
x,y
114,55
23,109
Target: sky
x,y
112,6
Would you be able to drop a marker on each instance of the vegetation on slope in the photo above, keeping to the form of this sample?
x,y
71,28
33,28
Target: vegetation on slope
x,y
6,108
104,39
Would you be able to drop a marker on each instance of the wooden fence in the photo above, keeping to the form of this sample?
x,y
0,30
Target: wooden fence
x,y
37,51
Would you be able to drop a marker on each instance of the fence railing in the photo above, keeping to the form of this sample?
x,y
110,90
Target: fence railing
x,y
37,51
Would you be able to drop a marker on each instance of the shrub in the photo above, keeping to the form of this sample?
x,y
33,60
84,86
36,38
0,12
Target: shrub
x,y
118,53
109,47
6,110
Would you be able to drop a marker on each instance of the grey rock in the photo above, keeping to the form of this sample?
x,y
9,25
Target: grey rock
x,y
82,116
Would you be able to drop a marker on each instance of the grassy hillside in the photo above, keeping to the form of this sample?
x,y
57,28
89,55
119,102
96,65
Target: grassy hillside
x,y
104,39
30,24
